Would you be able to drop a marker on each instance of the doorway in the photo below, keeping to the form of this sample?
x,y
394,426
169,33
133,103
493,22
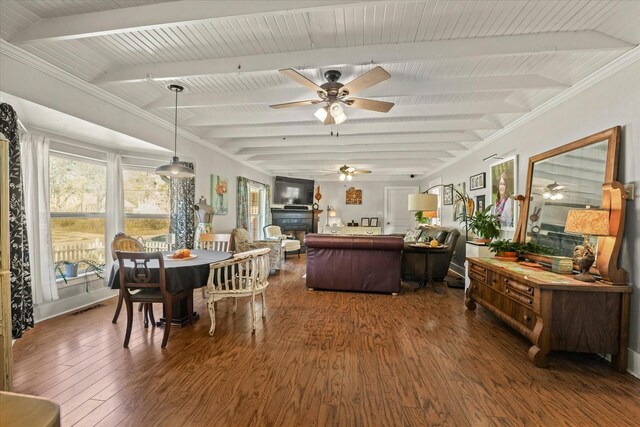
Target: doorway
x,y
397,219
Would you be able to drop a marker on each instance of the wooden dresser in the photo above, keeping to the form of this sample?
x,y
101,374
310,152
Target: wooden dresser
x,y
353,231
553,311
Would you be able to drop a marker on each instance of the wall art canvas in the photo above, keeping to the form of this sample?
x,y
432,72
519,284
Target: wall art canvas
x,y
460,206
480,206
353,196
447,195
219,194
477,182
503,183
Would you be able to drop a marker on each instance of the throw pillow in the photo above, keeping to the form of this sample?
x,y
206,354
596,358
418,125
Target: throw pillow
x,y
412,235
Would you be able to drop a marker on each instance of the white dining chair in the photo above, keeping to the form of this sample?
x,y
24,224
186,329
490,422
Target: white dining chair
x,y
244,275
214,242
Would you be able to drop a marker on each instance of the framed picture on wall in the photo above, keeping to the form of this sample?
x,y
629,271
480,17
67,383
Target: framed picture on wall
x,y
373,222
503,183
364,222
447,195
480,206
477,182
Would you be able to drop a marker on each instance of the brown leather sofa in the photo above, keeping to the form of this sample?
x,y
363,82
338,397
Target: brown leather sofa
x,y
439,260
354,263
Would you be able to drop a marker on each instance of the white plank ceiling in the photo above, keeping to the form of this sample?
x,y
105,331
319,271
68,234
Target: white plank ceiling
x,y
460,70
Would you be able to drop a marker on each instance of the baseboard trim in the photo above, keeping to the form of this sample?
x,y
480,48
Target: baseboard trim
x,y
633,364
67,305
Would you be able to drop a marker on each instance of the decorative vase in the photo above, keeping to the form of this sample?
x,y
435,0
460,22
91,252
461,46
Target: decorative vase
x,y
507,255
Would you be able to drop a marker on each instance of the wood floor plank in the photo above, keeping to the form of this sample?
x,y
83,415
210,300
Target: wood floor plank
x,y
318,359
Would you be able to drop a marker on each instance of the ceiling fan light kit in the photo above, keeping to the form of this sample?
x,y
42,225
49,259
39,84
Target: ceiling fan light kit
x,y
174,169
334,94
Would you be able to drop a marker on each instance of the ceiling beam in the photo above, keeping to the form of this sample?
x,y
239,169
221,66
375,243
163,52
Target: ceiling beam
x,y
372,54
305,114
390,88
273,159
162,15
351,128
251,153
249,146
366,163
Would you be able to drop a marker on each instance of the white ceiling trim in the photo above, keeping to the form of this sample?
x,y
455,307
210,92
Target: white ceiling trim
x,y
613,67
389,88
398,111
162,15
371,54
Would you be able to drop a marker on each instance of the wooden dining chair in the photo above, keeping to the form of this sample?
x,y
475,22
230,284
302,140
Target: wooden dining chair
x,y
214,242
244,275
123,242
139,283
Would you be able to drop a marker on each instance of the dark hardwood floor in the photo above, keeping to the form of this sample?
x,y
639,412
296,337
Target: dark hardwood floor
x,y
318,359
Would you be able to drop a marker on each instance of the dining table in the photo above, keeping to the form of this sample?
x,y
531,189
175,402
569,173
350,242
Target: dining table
x,y
180,274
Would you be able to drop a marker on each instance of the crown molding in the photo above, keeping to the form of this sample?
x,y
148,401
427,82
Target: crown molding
x,y
611,68
30,60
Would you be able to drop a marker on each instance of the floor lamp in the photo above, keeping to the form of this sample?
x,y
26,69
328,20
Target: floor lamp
x,y
462,197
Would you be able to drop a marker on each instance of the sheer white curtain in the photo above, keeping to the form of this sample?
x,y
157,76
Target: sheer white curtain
x,y
114,205
35,162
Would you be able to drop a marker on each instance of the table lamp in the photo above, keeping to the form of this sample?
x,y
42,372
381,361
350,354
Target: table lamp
x,y
587,222
331,213
427,203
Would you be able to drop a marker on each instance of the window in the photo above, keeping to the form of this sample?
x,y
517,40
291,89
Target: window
x,y
146,206
257,210
77,203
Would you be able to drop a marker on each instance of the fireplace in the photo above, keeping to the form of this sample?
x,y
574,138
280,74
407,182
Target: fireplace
x,y
295,222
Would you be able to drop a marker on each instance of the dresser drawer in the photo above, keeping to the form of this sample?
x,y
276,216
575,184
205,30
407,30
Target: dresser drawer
x,y
477,273
521,314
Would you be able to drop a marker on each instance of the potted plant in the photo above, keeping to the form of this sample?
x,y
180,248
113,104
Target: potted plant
x,y
71,268
485,225
506,248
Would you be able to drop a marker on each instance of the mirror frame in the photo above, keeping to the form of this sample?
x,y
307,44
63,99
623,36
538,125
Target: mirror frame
x,y
612,135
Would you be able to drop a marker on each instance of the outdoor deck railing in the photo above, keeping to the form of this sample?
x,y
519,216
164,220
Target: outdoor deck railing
x,y
94,250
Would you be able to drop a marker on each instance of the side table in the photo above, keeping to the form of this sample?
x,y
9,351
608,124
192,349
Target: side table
x,y
427,249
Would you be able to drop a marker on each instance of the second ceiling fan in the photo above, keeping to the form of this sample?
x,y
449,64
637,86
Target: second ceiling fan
x,y
334,94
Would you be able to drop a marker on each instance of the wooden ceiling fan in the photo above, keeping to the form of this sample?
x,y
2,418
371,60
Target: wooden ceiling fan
x,y
333,94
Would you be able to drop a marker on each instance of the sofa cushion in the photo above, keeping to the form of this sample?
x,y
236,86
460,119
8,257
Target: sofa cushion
x,y
412,235
431,233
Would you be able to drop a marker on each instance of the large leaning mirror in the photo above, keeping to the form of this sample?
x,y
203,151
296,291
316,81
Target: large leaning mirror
x,y
570,176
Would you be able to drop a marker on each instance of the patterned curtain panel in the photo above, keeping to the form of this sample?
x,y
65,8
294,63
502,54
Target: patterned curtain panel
x,y
242,203
183,197
21,300
267,207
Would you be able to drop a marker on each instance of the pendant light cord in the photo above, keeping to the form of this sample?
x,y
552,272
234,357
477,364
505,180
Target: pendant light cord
x,y
175,136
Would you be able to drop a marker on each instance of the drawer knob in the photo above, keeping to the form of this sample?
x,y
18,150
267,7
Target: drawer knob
x,y
530,290
527,318
506,280
530,301
507,291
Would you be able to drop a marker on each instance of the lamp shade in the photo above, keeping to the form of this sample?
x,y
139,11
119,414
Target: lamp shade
x,y
592,222
423,202
175,170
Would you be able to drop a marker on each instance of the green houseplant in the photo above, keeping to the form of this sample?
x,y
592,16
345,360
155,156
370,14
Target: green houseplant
x,y
506,248
485,225
71,269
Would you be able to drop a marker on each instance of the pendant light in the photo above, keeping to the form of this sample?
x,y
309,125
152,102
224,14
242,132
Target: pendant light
x,y
175,169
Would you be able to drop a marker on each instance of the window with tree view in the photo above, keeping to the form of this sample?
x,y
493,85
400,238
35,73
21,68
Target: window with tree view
x,y
146,206
77,203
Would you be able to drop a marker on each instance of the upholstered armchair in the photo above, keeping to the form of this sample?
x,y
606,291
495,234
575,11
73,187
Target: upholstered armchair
x,y
241,242
274,232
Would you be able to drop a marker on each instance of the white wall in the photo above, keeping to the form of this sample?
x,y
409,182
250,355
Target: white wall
x,y
334,194
613,101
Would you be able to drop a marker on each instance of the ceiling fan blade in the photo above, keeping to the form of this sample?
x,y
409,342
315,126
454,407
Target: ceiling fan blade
x,y
299,78
369,104
366,80
360,172
296,104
